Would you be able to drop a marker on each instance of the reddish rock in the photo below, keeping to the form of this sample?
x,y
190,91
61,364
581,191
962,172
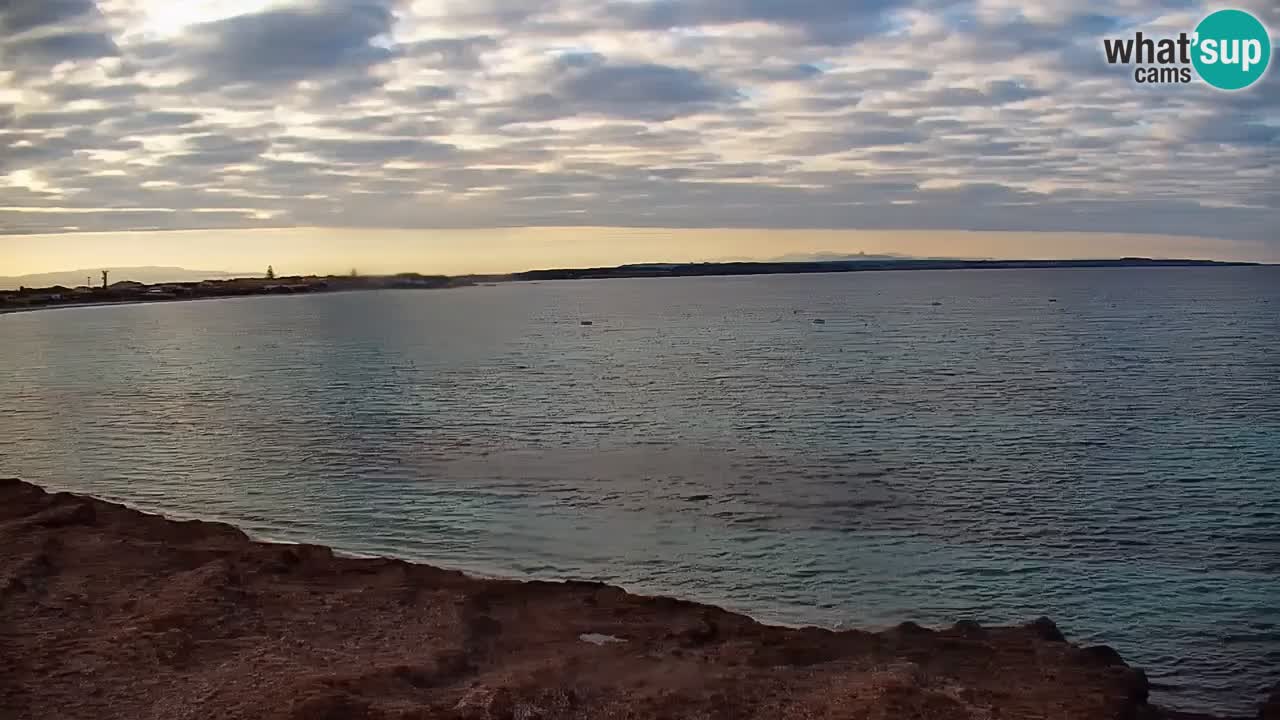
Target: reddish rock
x,y
1270,709
1046,629
106,612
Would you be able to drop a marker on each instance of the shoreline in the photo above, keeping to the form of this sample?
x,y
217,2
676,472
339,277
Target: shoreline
x,y
641,271
72,306
167,301
114,612
206,298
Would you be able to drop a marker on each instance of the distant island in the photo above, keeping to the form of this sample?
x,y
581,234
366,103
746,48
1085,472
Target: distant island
x,y
131,291
851,265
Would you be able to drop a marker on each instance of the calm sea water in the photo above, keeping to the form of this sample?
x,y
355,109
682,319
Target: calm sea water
x,y
1111,459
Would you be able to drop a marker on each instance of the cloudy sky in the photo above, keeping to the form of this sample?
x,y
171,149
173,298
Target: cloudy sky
x,y
504,134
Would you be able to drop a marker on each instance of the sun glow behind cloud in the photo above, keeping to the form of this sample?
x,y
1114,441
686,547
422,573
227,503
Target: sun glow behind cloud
x,y
160,19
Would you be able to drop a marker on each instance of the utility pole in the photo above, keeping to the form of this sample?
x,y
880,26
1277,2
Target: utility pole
x,y
88,281
104,277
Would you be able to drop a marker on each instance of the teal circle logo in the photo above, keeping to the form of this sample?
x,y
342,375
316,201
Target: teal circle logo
x,y
1232,49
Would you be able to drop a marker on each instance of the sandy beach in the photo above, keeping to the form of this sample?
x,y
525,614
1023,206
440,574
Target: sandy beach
x,y
107,612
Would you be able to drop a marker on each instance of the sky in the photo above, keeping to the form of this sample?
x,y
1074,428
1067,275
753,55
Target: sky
x,y
498,135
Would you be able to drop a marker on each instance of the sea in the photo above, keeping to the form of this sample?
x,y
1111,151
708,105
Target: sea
x,y
1101,446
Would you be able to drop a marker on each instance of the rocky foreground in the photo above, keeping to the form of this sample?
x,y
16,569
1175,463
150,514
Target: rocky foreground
x,y
106,612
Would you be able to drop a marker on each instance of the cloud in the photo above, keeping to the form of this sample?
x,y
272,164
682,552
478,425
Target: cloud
x,y
999,92
985,114
593,83
41,33
786,73
825,21
18,16
454,53
217,149
377,150
288,45
66,46
826,143
588,84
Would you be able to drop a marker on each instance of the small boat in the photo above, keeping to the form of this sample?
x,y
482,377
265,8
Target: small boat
x,y
819,321
586,322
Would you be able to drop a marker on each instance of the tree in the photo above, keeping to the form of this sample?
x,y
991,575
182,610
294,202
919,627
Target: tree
x,y
271,273
355,273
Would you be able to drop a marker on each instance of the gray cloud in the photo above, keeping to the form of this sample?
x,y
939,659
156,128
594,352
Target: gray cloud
x,y
18,16
1232,133
153,120
378,150
35,34
216,149
590,84
826,143
999,92
824,21
428,94
66,46
786,73
288,45
454,53
55,119
601,85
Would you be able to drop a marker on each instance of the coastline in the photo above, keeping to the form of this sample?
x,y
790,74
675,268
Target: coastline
x,y
113,612
200,298
162,301
70,306
255,287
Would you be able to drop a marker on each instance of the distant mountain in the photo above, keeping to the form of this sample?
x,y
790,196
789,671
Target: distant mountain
x,y
863,257
827,256
149,275
838,257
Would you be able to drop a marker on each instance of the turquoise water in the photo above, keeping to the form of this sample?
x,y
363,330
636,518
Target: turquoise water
x,y
1101,446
